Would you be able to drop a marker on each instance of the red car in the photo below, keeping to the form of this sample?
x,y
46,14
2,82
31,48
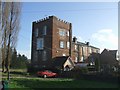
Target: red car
x,y
46,73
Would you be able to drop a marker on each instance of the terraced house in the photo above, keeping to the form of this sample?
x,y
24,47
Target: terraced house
x,y
82,52
52,40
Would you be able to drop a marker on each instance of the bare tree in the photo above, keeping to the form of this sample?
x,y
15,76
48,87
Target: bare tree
x,y
10,29
0,16
0,33
4,30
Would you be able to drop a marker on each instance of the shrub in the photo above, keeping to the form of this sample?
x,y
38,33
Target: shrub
x,y
79,71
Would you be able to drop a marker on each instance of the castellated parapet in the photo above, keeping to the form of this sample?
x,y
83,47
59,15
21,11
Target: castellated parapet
x,y
49,17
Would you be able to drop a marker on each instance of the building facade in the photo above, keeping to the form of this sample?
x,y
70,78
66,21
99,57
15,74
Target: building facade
x,y
81,52
51,37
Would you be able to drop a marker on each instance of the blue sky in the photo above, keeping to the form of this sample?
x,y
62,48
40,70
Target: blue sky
x,y
96,22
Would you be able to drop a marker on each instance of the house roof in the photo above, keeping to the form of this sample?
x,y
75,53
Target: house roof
x,y
81,43
109,56
94,47
84,44
113,52
59,61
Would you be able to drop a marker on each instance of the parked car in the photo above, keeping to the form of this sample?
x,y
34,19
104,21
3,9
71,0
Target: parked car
x,y
46,73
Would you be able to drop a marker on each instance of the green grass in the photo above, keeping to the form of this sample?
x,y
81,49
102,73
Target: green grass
x,y
29,82
16,73
32,83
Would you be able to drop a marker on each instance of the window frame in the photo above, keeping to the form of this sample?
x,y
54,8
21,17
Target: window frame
x,y
36,32
68,33
76,47
62,44
40,43
76,59
45,30
68,44
62,32
44,55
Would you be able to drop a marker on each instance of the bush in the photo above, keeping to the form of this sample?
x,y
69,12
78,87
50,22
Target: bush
x,y
31,69
79,71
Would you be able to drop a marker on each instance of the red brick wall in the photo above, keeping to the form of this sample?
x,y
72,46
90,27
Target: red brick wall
x,y
56,50
51,40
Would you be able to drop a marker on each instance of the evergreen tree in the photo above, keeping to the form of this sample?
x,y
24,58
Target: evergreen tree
x,y
14,59
18,60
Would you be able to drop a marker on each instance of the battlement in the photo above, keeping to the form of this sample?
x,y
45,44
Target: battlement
x,y
49,17
63,21
41,20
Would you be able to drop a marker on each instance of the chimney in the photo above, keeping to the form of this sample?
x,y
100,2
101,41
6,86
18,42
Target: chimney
x,y
87,43
74,39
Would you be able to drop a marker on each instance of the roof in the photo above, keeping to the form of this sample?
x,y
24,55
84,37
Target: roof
x,y
84,44
81,43
59,61
113,52
94,47
109,56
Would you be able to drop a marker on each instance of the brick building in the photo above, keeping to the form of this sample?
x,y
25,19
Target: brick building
x,y
51,37
82,51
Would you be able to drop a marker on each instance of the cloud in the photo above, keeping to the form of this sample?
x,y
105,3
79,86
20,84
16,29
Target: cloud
x,y
105,31
106,39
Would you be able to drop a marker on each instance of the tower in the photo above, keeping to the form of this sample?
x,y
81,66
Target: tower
x,y
51,37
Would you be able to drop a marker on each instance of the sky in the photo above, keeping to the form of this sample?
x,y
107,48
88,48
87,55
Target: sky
x,y
94,22
68,0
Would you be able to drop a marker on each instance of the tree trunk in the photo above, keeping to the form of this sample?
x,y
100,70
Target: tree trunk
x,y
9,41
9,27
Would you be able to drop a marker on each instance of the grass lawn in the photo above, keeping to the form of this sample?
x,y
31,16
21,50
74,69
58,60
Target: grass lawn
x,y
20,79
32,83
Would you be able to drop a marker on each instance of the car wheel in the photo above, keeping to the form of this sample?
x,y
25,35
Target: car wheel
x,y
45,76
